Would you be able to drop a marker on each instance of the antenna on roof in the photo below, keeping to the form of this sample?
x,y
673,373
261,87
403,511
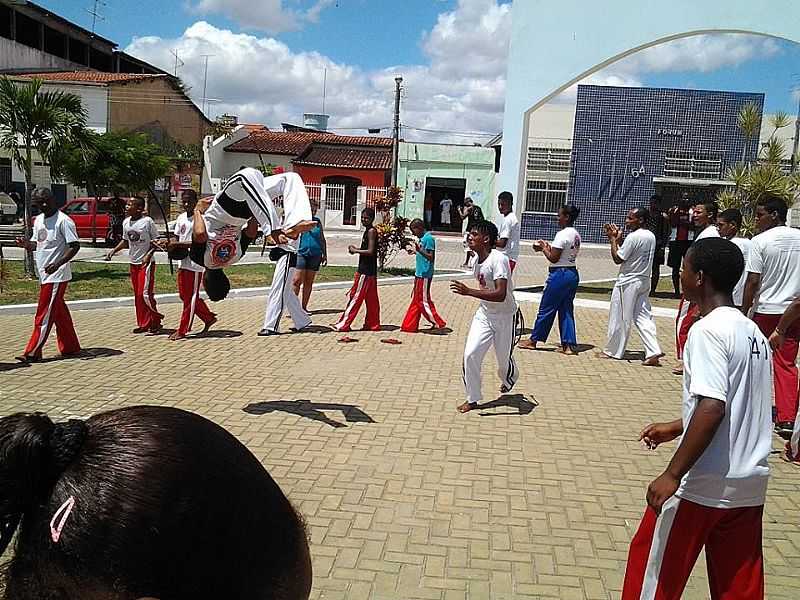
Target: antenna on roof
x,y
324,88
177,60
95,14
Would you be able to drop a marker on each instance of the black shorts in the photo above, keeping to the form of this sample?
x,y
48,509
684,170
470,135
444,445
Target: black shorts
x,y
309,263
677,250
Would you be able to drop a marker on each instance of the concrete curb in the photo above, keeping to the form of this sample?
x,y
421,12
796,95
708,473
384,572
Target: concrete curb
x,y
125,301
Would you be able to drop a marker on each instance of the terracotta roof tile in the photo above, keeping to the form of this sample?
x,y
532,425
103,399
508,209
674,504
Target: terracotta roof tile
x,y
88,76
346,157
295,143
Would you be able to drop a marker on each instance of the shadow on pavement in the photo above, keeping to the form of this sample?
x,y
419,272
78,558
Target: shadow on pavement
x,y
433,331
311,410
84,354
216,333
519,402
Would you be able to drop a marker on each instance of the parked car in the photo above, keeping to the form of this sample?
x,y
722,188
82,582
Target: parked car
x,y
8,209
97,218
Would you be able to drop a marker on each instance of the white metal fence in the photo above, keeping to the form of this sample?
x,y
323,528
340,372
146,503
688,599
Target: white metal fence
x,y
334,197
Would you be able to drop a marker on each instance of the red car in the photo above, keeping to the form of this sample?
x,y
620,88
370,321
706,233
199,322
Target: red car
x,y
97,218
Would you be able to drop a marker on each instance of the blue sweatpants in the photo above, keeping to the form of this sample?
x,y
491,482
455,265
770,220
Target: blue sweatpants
x,y
558,296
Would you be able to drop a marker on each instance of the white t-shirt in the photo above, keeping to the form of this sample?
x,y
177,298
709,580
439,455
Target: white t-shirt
x,y
637,251
52,236
727,358
775,254
139,234
446,204
709,232
569,240
183,231
508,228
495,267
744,245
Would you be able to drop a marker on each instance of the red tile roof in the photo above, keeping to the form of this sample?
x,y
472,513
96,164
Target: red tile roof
x,y
88,76
295,143
346,157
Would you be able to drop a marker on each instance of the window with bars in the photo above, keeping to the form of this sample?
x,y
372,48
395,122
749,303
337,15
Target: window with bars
x,y
549,159
542,196
693,167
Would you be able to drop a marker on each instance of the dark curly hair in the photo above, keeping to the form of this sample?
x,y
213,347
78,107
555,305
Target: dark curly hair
x,y
166,505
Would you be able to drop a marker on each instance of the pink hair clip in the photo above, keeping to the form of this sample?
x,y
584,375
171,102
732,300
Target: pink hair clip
x,y
64,511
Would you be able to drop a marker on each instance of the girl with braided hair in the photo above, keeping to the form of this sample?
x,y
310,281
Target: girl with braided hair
x,y
143,502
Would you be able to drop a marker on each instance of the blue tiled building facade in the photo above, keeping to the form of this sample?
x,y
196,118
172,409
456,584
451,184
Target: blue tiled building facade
x,y
629,143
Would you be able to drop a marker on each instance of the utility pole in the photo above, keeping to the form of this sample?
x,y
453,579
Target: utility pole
x,y
396,133
205,80
796,136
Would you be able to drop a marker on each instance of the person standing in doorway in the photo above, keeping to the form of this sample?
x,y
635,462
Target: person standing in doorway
x,y
728,223
773,277
421,301
562,284
365,285
680,239
55,242
711,495
629,300
312,253
138,234
471,213
508,229
446,206
659,225
428,210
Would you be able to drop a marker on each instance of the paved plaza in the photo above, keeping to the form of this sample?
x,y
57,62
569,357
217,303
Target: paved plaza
x,y
537,494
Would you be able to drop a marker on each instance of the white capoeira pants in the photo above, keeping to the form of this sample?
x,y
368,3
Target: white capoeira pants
x,y
487,330
282,297
630,306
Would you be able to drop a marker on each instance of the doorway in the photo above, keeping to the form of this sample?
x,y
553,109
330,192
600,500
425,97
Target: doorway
x,y
351,185
437,210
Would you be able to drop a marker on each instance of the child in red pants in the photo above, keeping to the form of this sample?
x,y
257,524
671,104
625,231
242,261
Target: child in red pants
x,y
55,241
190,274
421,303
365,285
138,234
712,493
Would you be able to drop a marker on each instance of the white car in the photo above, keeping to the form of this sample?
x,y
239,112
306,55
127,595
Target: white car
x,y
8,209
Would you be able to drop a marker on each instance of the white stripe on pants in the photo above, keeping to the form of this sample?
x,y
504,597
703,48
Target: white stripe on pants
x,y
630,306
281,296
489,330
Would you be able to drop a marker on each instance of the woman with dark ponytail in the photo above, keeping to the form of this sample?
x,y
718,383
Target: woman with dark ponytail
x,y
562,284
143,502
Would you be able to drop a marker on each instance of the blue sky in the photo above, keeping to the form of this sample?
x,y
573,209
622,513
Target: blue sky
x,y
270,55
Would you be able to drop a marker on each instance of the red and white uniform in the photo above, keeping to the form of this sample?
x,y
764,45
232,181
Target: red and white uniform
x,y
364,290
775,255
720,501
688,313
421,306
140,234
508,228
190,277
53,236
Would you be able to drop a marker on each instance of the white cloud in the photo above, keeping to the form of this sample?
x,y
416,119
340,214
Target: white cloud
x,y
460,88
265,15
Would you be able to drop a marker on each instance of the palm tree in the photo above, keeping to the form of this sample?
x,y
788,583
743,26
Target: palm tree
x,y
41,121
749,122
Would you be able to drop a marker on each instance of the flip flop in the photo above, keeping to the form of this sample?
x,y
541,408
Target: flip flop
x,y
346,340
393,341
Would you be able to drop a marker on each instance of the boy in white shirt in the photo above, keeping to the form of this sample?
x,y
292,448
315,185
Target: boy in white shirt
x,y
494,324
508,230
138,234
773,276
713,491
630,304
55,241
190,274
729,222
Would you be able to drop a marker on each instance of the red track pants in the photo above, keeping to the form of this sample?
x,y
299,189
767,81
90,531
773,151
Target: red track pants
x,y
52,310
143,282
189,283
365,288
688,314
421,306
665,548
783,366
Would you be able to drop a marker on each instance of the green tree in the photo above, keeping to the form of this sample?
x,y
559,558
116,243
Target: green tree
x,y
749,122
32,120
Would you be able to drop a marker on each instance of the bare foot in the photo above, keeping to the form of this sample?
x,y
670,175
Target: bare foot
x,y
467,406
603,355
527,345
652,361
567,351
176,336
209,324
